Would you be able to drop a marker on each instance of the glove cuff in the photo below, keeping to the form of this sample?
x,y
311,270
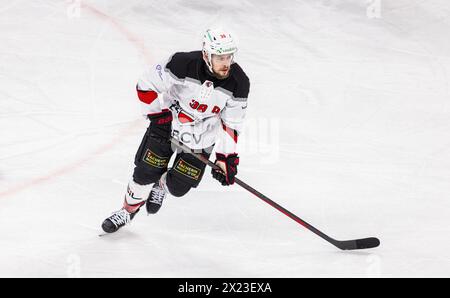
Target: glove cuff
x,y
164,117
224,157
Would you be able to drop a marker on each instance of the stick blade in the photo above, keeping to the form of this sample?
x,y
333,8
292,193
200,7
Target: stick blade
x,y
367,243
358,243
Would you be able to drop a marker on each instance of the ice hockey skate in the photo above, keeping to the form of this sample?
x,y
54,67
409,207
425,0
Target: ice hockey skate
x,y
157,196
117,220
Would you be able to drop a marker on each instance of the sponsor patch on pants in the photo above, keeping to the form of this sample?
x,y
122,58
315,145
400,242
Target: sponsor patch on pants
x,y
187,169
155,160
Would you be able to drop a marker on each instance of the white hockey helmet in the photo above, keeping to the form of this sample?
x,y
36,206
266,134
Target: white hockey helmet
x,y
217,42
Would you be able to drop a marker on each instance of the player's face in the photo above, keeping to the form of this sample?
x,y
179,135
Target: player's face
x,y
221,64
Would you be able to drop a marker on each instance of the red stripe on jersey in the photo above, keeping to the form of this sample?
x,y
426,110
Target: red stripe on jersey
x,y
231,132
184,118
147,96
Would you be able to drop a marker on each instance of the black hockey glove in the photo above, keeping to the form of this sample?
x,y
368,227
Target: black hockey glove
x,y
161,126
228,164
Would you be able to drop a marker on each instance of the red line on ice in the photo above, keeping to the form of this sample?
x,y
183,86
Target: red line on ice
x,y
139,44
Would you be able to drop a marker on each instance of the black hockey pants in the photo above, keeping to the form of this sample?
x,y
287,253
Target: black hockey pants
x,y
152,160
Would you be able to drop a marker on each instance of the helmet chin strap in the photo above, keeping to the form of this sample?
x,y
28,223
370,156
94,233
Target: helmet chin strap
x,y
208,61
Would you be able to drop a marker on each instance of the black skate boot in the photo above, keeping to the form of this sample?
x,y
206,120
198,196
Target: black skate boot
x,y
157,196
117,220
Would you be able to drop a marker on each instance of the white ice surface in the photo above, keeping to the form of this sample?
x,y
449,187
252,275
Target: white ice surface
x,y
348,127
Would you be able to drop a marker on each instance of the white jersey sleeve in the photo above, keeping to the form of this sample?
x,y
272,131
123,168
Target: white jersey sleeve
x,y
152,83
232,116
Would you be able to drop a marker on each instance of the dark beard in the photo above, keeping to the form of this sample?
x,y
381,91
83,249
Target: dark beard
x,y
220,77
215,75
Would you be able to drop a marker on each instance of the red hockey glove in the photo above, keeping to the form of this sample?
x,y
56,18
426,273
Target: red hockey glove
x,y
161,126
228,164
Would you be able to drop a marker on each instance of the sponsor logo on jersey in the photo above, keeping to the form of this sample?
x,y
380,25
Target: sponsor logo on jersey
x,y
159,68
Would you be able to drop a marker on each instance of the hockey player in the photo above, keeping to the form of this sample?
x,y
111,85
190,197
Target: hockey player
x,y
198,98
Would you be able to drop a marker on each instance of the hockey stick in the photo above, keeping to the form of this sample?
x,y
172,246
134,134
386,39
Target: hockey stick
x,y
344,245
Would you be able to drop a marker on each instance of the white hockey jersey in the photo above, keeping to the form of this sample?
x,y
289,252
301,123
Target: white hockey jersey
x,y
206,110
